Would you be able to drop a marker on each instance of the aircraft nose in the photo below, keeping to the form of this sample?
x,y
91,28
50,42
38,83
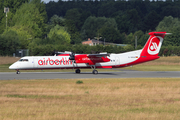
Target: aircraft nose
x,y
13,66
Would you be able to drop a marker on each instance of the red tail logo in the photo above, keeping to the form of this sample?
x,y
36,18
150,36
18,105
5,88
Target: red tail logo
x,y
153,44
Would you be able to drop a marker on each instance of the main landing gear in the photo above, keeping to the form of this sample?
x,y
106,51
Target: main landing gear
x,y
17,72
78,71
94,71
92,67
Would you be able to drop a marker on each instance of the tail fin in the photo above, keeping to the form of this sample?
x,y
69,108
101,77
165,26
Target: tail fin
x,y
153,45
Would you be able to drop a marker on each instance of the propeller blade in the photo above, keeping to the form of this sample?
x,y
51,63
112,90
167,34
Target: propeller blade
x,y
72,56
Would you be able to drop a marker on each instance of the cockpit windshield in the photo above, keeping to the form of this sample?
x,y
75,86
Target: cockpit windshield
x,y
23,60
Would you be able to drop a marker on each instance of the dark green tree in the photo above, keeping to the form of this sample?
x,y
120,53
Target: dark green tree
x,y
151,21
13,6
74,16
171,25
122,22
29,15
110,34
141,37
9,42
93,25
135,21
59,35
55,20
73,23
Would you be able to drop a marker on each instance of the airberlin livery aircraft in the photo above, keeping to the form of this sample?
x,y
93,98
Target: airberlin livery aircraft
x,y
102,60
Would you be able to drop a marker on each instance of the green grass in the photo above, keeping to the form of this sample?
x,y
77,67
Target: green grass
x,y
154,68
32,96
5,68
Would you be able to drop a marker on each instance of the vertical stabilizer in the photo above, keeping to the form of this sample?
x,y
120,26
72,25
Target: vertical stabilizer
x,y
153,45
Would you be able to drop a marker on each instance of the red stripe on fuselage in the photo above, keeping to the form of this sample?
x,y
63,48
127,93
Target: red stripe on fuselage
x,y
90,60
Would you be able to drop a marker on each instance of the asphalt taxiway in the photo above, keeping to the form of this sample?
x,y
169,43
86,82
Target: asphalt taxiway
x,y
72,75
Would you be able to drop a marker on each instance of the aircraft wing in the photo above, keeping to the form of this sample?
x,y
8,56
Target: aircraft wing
x,y
92,59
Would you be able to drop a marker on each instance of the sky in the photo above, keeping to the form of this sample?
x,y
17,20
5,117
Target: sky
x,y
46,1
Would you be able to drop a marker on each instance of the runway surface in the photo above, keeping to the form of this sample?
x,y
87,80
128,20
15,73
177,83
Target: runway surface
x,y
72,75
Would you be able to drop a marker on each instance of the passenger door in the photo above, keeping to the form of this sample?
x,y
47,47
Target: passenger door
x,y
35,63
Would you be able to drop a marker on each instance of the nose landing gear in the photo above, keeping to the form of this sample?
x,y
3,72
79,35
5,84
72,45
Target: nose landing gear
x,y
17,72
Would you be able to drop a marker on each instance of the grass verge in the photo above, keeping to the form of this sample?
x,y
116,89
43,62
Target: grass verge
x,y
106,99
154,68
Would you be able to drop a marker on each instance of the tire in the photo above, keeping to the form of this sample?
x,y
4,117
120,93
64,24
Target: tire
x,y
78,71
17,72
95,72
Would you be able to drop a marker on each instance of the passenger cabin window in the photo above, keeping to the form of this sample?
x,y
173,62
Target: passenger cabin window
x,y
23,60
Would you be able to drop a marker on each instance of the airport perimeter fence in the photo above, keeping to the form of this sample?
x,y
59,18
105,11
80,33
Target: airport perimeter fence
x,y
21,53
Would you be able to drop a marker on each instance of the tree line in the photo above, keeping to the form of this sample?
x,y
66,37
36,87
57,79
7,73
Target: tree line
x,y
63,25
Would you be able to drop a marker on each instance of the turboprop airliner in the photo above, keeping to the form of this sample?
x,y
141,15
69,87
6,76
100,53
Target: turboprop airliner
x,y
93,61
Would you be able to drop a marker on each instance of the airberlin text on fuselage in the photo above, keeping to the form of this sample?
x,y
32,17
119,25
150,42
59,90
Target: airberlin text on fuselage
x,y
49,61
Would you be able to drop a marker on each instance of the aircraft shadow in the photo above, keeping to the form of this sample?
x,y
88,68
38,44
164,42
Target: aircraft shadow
x,y
72,73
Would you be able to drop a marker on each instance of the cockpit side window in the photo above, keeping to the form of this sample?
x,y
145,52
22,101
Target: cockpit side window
x,y
23,60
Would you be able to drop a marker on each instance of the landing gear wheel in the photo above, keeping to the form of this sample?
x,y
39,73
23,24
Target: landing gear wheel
x,y
17,72
78,71
95,72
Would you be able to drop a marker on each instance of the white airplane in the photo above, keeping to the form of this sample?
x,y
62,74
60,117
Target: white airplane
x,y
104,60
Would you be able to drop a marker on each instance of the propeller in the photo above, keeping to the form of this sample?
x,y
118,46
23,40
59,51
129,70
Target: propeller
x,y
72,56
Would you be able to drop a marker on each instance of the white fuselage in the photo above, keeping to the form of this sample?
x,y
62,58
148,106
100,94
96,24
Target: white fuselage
x,y
63,62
